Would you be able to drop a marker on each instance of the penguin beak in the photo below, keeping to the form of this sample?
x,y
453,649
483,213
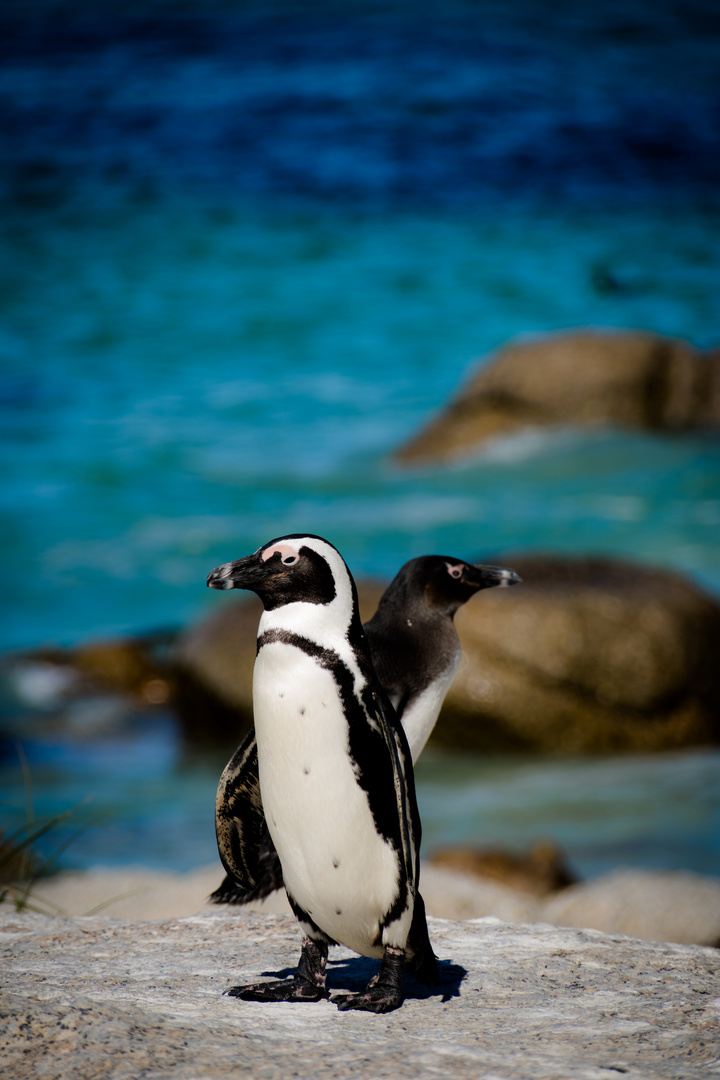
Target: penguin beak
x,y
246,573
485,577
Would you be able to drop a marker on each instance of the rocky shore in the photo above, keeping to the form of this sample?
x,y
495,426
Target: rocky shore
x,y
95,997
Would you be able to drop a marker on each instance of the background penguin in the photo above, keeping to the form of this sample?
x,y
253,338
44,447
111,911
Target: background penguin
x,y
335,774
415,651
414,644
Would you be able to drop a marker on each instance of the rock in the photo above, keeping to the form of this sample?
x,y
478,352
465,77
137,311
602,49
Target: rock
x,y
131,668
587,655
213,663
627,379
656,905
124,664
94,997
539,871
451,894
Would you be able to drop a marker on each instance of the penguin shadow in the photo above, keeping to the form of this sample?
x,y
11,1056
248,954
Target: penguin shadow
x,y
354,973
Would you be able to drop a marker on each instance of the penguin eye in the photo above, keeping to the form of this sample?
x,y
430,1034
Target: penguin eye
x,y
454,571
290,560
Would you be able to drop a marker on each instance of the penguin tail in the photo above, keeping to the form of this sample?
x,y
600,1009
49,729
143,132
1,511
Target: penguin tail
x,y
423,962
268,879
229,892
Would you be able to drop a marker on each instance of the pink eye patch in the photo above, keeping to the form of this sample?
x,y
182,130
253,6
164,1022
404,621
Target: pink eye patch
x,y
287,553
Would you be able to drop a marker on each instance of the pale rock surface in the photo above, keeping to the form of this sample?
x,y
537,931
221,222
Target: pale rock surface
x,y
92,997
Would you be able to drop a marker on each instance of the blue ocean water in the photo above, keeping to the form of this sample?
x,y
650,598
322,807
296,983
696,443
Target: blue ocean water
x,y
245,252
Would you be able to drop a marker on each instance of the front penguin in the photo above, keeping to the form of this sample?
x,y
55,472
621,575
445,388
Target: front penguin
x,y
335,776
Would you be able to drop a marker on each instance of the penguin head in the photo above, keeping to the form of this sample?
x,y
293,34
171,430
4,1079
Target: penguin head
x,y
445,583
291,569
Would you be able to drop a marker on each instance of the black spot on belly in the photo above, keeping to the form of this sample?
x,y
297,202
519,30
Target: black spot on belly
x,y
336,863
301,710
306,770
338,911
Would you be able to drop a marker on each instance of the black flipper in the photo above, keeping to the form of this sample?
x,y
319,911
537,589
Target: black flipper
x,y
399,750
239,819
269,878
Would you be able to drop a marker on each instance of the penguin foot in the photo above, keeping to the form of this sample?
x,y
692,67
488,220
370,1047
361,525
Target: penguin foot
x,y
307,984
384,991
376,999
294,989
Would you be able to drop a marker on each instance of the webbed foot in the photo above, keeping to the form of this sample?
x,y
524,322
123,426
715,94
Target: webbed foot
x,y
307,984
377,1000
294,989
384,991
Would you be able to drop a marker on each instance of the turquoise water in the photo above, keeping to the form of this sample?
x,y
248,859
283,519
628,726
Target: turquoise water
x,y
245,253
183,384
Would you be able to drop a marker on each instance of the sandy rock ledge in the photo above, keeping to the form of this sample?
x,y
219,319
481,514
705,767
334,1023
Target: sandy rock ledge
x,y
93,997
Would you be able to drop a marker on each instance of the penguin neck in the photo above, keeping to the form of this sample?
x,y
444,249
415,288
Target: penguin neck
x,y
322,623
419,717
333,626
416,612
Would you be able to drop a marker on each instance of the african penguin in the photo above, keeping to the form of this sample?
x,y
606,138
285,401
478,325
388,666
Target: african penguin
x,y
415,651
335,776
413,640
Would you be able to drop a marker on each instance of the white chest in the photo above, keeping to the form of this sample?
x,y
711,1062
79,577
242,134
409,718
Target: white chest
x,y
335,864
419,717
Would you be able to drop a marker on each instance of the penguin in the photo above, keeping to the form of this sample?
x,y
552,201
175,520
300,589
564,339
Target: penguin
x,y
335,774
415,651
414,644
